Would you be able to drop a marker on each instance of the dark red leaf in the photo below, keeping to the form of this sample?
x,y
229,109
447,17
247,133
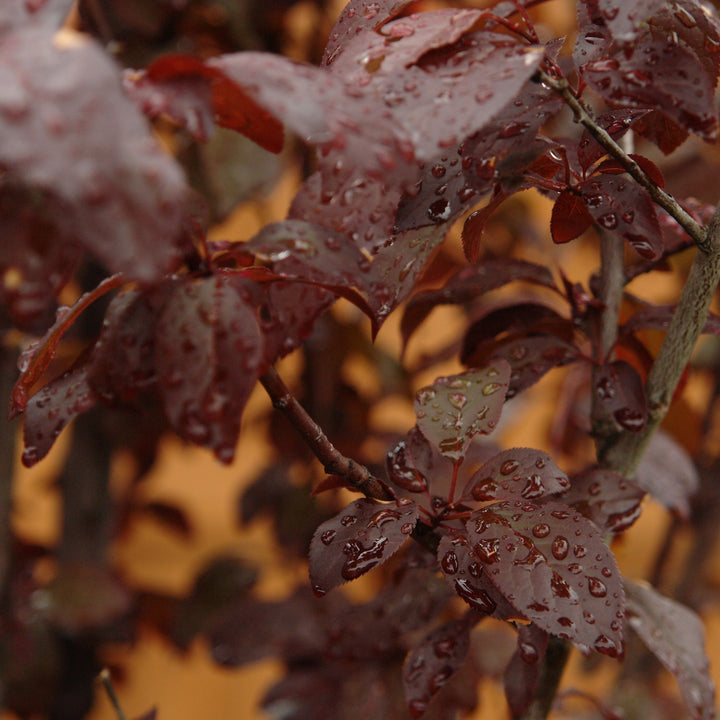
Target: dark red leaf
x,y
668,473
407,461
469,283
52,408
515,474
467,576
362,536
208,355
553,565
659,129
611,501
614,167
625,208
123,199
523,671
570,217
625,21
616,123
658,317
431,663
454,409
474,226
621,392
663,76
675,635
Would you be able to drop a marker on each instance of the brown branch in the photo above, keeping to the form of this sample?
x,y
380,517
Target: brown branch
x,y
334,462
664,200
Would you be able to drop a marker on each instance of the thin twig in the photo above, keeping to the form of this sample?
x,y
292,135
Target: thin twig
x,y
106,680
659,196
334,462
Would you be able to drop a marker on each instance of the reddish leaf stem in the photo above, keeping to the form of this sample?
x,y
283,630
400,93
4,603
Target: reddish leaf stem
x,y
333,460
663,199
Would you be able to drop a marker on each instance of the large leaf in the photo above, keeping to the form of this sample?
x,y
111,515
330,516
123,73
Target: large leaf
x,y
362,536
69,131
676,637
454,409
553,566
208,355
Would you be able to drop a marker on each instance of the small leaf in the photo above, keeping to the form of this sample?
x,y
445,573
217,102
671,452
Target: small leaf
x,y
668,473
431,663
616,123
407,461
523,671
658,317
467,575
454,409
516,474
611,501
362,536
675,635
620,390
570,217
552,564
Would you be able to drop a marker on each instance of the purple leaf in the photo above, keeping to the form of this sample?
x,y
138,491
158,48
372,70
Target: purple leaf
x,y
668,473
625,20
663,76
362,536
208,355
616,123
469,283
125,201
516,474
454,409
570,217
658,317
523,671
468,577
407,461
623,207
51,13
553,566
431,663
51,408
611,501
621,392
676,636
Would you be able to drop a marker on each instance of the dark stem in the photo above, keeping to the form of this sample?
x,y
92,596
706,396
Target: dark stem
x,y
553,665
334,462
8,375
106,681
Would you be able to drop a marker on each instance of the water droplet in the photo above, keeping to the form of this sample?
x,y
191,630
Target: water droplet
x,y
509,467
534,487
444,647
457,400
541,530
438,170
606,572
484,490
529,653
631,420
328,536
487,550
575,568
347,520
439,211
565,622
475,597
417,707
604,65
608,221
579,551
597,587
382,517
490,388
449,563
439,679
406,528
371,10
360,558
318,591
637,77
560,547
606,646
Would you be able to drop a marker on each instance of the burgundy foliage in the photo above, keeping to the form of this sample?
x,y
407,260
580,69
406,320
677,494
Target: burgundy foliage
x,y
413,122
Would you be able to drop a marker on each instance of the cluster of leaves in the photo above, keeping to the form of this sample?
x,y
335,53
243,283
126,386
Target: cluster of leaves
x,y
416,119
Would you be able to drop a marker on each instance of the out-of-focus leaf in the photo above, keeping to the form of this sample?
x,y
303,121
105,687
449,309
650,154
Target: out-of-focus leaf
x,y
362,536
454,409
675,635
616,123
620,390
523,670
553,566
431,663
668,473
658,317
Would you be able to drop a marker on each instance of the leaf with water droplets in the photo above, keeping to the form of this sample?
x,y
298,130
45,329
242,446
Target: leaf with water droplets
x,y
454,409
51,13
675,635
626,20
553,566
407,461
615,123
523,671
570,218
51,408
195,95
668,473
470,283
432,662
464,570
621,394
126,201
208,355
516,474
365,534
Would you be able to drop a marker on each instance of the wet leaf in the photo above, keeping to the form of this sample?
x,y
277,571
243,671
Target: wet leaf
x,y
675,635
523,671
570,217
611,501
407,461
465,572
616,123
553,566
516,474
361,537
621,392
454,409
51,13
431,663
51,408
208,354
470,283
668,473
